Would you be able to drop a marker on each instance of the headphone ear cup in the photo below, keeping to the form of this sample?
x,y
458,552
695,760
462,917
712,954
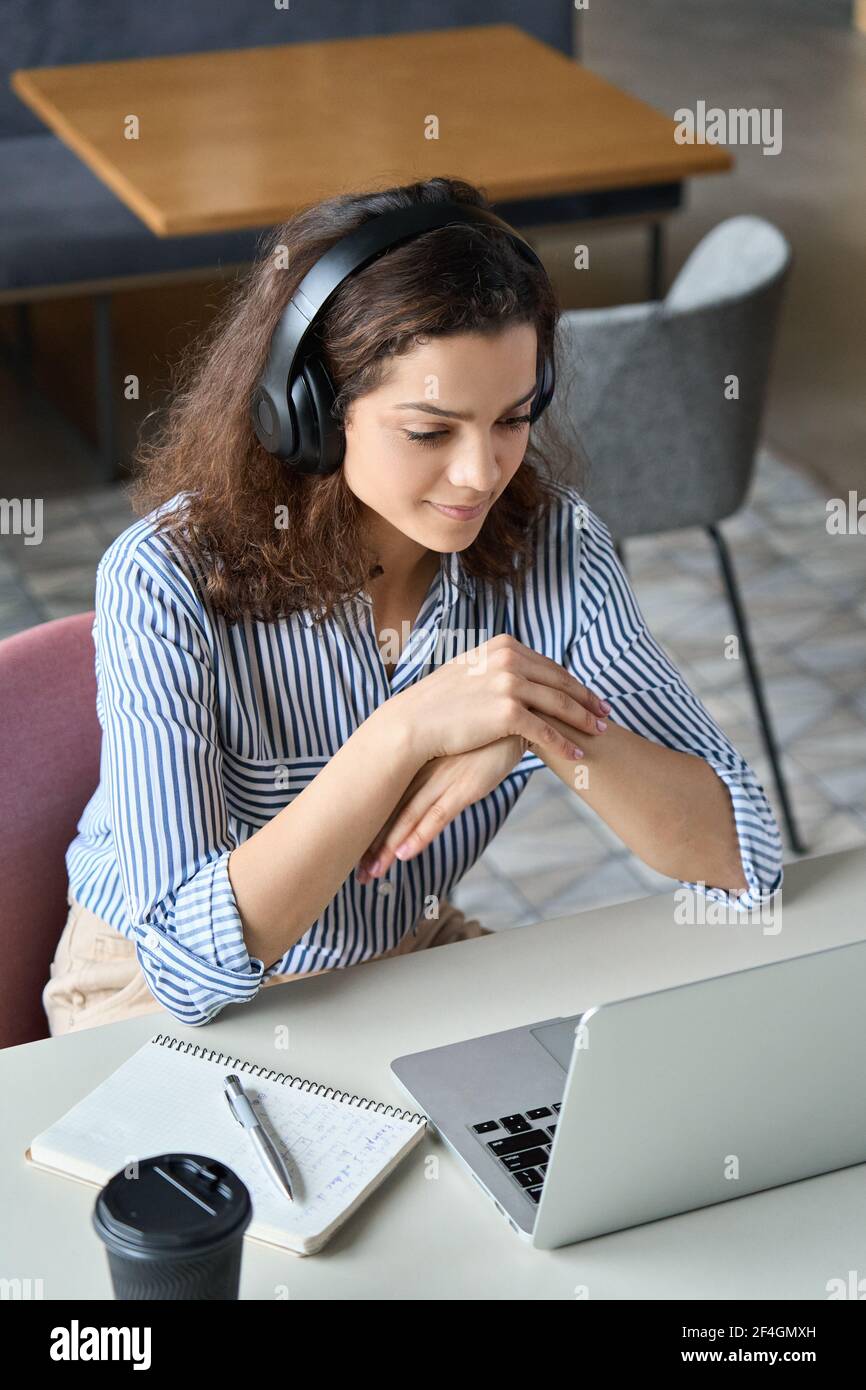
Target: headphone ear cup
x,y
272,427
320,439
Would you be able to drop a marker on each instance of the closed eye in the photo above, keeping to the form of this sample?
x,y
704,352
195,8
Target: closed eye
x,y
432,437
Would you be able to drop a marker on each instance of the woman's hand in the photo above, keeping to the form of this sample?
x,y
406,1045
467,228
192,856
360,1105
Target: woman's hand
x,y
440,791
500,689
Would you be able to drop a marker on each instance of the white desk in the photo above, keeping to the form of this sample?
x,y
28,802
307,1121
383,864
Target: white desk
x,y
432,1238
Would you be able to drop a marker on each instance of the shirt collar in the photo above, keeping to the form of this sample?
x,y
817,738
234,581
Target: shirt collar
x,y
454,578
453,581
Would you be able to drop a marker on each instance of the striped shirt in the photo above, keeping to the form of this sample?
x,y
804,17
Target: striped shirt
x,y
211,727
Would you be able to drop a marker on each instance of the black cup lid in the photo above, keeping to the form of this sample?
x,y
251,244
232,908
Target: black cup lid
x,y
175,1203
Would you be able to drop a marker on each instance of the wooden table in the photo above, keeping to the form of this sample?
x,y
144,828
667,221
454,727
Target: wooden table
x,y
247,137
244,138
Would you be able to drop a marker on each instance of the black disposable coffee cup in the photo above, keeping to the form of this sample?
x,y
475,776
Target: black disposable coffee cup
x,y
173,1228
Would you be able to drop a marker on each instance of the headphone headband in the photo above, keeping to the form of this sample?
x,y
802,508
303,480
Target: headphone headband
x,y
291,405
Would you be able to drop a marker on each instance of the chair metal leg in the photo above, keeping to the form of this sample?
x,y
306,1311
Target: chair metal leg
x,y
104,358
794,840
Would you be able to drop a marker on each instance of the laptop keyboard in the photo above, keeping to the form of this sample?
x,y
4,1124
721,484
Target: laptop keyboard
x,y
522,1144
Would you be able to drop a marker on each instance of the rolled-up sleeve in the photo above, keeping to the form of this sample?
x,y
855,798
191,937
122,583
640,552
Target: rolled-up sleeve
x,y
614,653
162,764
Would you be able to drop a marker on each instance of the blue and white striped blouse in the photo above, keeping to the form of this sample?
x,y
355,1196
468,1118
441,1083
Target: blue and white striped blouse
x,y
211,727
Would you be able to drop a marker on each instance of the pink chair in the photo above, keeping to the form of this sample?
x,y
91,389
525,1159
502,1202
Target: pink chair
x,y
49,767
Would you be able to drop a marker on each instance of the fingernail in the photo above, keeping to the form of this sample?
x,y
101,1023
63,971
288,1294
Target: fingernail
x,y
576,752
600,725
605,705
402,850
375,867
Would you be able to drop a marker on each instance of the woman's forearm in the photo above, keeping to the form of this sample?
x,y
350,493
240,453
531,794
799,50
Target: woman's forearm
x,y
670,808
285,874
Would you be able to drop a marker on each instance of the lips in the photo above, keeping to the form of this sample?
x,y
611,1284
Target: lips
x,y
460,513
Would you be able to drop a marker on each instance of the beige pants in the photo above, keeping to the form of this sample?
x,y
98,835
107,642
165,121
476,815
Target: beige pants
x,y
96,977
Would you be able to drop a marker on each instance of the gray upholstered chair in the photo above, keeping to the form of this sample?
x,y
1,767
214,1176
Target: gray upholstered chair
x,y
649,390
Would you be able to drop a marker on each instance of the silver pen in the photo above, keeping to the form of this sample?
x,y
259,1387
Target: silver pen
x,y
245,1115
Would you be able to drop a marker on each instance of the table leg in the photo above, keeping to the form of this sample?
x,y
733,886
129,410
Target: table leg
x,y
103,364
655,262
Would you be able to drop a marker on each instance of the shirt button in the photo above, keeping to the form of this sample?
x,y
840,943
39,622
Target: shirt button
x,y
77,998
385,888
153,941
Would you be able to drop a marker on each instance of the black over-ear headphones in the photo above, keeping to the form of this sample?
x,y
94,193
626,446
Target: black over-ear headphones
x,y
292,403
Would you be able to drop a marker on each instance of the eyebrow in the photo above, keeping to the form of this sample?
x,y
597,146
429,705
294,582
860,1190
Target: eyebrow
x,y
454,414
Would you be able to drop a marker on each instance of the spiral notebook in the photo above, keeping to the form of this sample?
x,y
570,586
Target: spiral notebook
x,y
167,1097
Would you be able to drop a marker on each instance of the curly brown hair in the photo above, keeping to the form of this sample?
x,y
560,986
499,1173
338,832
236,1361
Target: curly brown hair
x,y
204,450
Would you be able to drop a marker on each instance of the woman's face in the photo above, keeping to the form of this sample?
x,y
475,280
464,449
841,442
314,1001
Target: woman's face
x,y
409,457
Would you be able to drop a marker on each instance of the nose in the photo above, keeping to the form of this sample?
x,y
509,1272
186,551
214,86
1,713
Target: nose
x,y
475,467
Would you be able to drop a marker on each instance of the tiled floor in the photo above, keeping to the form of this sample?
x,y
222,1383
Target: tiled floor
x,y
805,594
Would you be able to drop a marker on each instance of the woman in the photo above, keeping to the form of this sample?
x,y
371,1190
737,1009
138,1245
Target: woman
x,y
321,696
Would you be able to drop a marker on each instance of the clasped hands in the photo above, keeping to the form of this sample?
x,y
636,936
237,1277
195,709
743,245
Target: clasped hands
x,y
501,688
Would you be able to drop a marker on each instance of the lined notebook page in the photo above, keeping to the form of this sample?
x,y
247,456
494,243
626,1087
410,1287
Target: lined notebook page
x,y
162,1099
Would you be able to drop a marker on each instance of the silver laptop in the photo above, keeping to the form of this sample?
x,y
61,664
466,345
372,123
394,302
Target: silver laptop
x,y
645,1107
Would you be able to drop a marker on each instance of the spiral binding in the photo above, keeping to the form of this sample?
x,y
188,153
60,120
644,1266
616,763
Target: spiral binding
x,y
301,1083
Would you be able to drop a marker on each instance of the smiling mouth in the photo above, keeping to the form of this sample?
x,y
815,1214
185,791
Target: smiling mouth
x,y
460,513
